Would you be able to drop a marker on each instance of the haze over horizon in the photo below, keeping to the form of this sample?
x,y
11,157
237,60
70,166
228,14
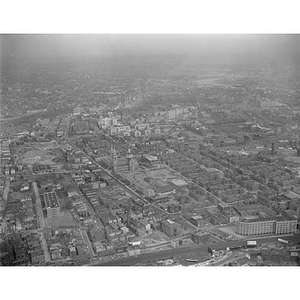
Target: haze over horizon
x,y
235,48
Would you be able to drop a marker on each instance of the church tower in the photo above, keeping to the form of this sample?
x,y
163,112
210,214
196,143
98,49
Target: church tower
x,y
113,157
129,157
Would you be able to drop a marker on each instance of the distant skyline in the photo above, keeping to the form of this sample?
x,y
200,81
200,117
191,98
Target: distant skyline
x,y
237,47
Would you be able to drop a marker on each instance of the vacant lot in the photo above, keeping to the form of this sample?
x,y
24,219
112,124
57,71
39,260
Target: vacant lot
x,y
66,220
43,153
230,230
161,174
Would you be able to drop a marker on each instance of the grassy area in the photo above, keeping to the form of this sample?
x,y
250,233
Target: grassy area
x,y
17,196
66,220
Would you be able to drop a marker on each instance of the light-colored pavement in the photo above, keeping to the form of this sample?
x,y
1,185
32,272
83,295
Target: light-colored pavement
x,y
39,209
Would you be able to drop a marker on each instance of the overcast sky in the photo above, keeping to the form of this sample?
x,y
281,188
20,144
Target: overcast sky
x,y
243,47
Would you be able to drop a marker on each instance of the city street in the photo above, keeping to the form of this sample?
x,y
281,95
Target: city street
x,y
45,247
128,189
87,241
39,209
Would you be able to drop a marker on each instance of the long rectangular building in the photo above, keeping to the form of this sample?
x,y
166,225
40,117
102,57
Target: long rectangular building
x,y
281,225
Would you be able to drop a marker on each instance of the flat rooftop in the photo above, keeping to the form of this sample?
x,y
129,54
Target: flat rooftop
x,y
162,187
179,182
50,200
281,218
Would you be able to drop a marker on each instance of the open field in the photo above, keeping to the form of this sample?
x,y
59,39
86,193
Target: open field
x,y
43,153
66,220
18,196
155,238
161,174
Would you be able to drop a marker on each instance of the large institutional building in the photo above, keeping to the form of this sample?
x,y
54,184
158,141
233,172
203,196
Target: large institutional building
x,y
122,164
52,205
280,225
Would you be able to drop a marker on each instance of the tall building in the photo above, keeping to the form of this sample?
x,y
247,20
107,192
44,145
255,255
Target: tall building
x,y
255,227
130,161
113,158
51,204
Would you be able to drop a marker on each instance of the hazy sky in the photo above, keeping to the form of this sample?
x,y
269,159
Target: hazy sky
x,y
244,47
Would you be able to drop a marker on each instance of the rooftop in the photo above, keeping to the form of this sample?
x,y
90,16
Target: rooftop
x,y
162,187
197,217
50,200
280,218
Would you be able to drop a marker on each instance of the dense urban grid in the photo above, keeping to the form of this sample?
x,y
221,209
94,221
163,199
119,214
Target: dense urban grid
x,y
147,161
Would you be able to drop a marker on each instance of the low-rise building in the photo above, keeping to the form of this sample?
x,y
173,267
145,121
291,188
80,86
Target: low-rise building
x,y
170,228
197,221
163,189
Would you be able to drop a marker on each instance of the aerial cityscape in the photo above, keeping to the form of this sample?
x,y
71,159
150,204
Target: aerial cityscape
x,y
150,150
